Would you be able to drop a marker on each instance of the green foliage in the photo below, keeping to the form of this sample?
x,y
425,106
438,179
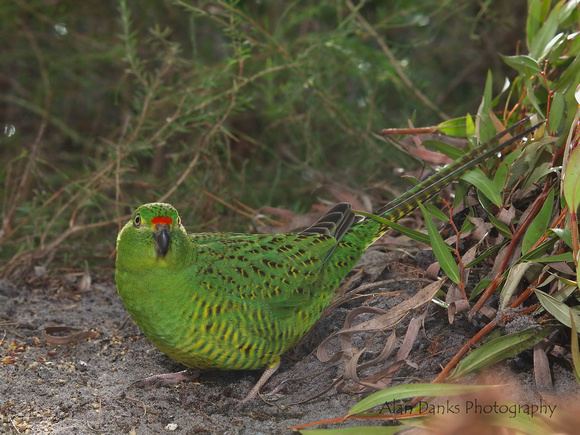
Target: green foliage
x,y
441,249
575,348
559,309
499,349
412,234
459,127
401,392
523,199
486,186
111,104
539,225
356,430
572,180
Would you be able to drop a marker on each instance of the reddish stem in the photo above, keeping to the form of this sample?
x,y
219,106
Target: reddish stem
x,y
492,287
491,325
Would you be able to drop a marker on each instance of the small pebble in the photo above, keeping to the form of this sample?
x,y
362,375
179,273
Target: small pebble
x,y
171,426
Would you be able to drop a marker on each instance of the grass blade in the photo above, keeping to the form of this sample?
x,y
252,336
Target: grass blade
x,y
540,223
556,112
366,430
456,127
572,180
407,391
443,148
523,64
522,423
564,257
441,249
574,347
558,309
498,349
484,185
515,275
412,234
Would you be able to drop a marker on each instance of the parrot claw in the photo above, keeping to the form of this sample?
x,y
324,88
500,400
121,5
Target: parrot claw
x,y
255,391
165,379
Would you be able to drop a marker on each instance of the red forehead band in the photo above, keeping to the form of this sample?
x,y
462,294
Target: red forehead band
x,y
162,220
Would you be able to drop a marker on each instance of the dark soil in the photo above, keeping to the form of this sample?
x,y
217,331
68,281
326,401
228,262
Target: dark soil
x,y
87,386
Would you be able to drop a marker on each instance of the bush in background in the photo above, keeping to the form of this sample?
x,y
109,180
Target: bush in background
x,y
106,105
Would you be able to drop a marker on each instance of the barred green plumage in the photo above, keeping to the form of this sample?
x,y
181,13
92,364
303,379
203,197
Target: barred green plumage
x,y
239,301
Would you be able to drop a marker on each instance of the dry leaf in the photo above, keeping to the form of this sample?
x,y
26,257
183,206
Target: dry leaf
x,y
507,215
66,335
542,373
85,282
457,303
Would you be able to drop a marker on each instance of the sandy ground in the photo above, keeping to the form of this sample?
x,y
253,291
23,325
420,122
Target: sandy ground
x,y
86,386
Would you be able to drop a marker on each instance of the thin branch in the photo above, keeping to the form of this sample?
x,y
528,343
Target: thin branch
x,y
395,62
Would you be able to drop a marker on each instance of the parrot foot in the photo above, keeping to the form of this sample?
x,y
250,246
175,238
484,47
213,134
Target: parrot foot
x,y
166,379
261,382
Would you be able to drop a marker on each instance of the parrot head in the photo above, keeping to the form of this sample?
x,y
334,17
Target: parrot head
x,y
153,236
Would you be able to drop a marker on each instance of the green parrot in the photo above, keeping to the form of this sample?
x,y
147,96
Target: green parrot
x,y
239,301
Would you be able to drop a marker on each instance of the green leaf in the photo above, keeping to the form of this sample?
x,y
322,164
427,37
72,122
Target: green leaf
x,y
356,430
545,34
515,275
484,185
533,99
412,234
523,64
481,286
436,213
513,156
567,10
492,250
565,292
484,127
563,234
552,47
500,176
558,309
538,251
467,226
574,346
406,391
441,249
498,349
460,191
565,281
565,257
556,112
502,227
539,172
456,127
569,77
544,39
469,125
572,180
577,261
521,422
540,223
444,148
534,19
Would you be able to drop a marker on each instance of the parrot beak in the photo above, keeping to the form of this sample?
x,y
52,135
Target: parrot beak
x,y
162,239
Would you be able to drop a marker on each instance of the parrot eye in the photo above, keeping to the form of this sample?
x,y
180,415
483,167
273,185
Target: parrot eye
x,y
137,220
